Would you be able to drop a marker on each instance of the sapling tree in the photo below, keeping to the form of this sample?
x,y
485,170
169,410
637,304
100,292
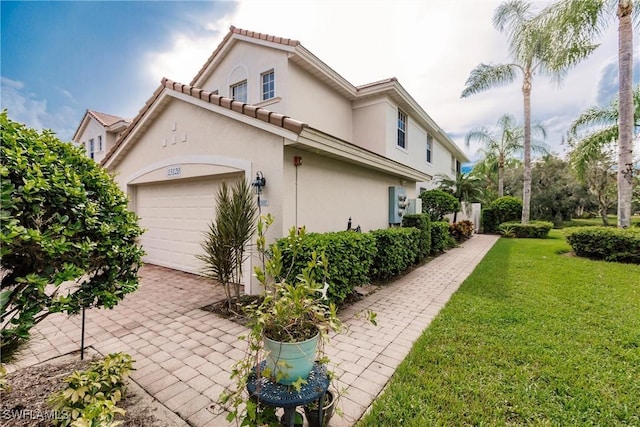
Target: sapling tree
x,y
67,239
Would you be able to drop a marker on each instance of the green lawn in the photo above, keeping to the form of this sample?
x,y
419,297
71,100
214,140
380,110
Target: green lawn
x,y
532,337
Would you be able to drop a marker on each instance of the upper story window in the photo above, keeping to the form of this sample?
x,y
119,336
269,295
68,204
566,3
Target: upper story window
x,y
99,143
91,148
239,91
402,129
268,85
429,148
456,166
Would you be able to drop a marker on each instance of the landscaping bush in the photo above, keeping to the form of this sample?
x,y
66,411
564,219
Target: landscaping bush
x,y
63,218
91,396
461,230
423,224
441,239
503,209
397,249
489,221
606,243
349,255
438,203
533,230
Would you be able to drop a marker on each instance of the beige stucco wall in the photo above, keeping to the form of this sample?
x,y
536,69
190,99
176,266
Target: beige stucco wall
x,y
93,130
213,145
248,61
313,102
329,191
370,125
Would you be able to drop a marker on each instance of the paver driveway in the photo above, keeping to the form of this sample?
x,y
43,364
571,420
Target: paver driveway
x,y
184,354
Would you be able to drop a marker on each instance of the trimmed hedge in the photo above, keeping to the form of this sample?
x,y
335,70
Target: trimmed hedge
x,y
606,243
533,230
350,256
423,223
461,230
503,209
397,250
441,240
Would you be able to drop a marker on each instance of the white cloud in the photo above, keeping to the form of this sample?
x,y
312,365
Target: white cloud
x,y
24,107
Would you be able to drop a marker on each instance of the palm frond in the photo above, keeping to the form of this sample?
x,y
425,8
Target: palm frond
x,y
486,76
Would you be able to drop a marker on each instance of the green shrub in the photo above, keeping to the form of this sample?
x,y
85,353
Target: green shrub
x,y
349,254
438,203
91,396
397,249
507,208
606,243
441,239
533,230
423,224
503,209
461,230
63,218
489,222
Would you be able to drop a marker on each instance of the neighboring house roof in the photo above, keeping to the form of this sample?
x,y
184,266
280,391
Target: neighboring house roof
x,y
300,56
299,132
109,121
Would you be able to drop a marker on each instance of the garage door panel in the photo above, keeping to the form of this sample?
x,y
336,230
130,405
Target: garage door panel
x,y
176,215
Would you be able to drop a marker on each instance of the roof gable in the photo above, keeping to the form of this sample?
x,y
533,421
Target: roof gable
x,y
107,121
236,107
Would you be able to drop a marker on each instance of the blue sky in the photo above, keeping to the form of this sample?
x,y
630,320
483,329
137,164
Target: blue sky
x,y
59,58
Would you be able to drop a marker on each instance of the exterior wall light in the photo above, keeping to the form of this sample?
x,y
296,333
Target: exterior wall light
x,y
259,183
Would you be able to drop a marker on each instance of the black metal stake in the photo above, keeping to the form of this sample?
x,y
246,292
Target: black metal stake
x,y
82,337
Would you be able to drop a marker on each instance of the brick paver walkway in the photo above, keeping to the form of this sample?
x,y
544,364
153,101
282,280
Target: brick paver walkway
x,y
184,355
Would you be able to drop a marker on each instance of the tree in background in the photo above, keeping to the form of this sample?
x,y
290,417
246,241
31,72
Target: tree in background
x,y
68,239
535,46
593,137
438,203
556,196
465,188
503,143
584,20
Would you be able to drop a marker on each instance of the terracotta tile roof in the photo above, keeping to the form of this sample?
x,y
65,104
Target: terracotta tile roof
x,y
253,34
262,114
106,119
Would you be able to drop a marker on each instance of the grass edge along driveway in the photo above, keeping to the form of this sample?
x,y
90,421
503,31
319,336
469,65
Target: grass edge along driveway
x,y
534,336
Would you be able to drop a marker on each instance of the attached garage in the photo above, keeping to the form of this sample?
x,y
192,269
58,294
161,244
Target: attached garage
x,y
176,214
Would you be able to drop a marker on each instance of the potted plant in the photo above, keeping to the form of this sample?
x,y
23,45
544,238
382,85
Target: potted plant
x,y
312,410
288,326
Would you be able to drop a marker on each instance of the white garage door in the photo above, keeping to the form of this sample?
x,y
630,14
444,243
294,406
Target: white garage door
x,y
175,215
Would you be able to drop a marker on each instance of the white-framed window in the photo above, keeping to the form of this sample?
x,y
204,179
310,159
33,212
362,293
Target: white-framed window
x,y
100,143
429,148
268,80
92,148
239,91
402,129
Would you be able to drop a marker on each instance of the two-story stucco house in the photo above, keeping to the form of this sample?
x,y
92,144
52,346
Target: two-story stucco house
x,y
266,106
98,132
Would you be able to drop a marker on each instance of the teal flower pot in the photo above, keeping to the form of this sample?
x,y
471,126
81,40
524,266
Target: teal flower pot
x,y
290,361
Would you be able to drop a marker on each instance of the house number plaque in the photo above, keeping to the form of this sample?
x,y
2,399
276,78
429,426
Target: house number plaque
x,y
174,171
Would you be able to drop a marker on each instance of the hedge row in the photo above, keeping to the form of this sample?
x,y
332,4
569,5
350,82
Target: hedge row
x,y
397,250
533,230
349,254
357,258
606,243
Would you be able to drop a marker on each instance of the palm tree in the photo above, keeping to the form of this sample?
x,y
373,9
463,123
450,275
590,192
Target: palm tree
x,y
535,47
585,19
500,145
465,188
597,127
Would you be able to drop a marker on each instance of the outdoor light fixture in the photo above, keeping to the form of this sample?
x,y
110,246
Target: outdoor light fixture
x,y
259,182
